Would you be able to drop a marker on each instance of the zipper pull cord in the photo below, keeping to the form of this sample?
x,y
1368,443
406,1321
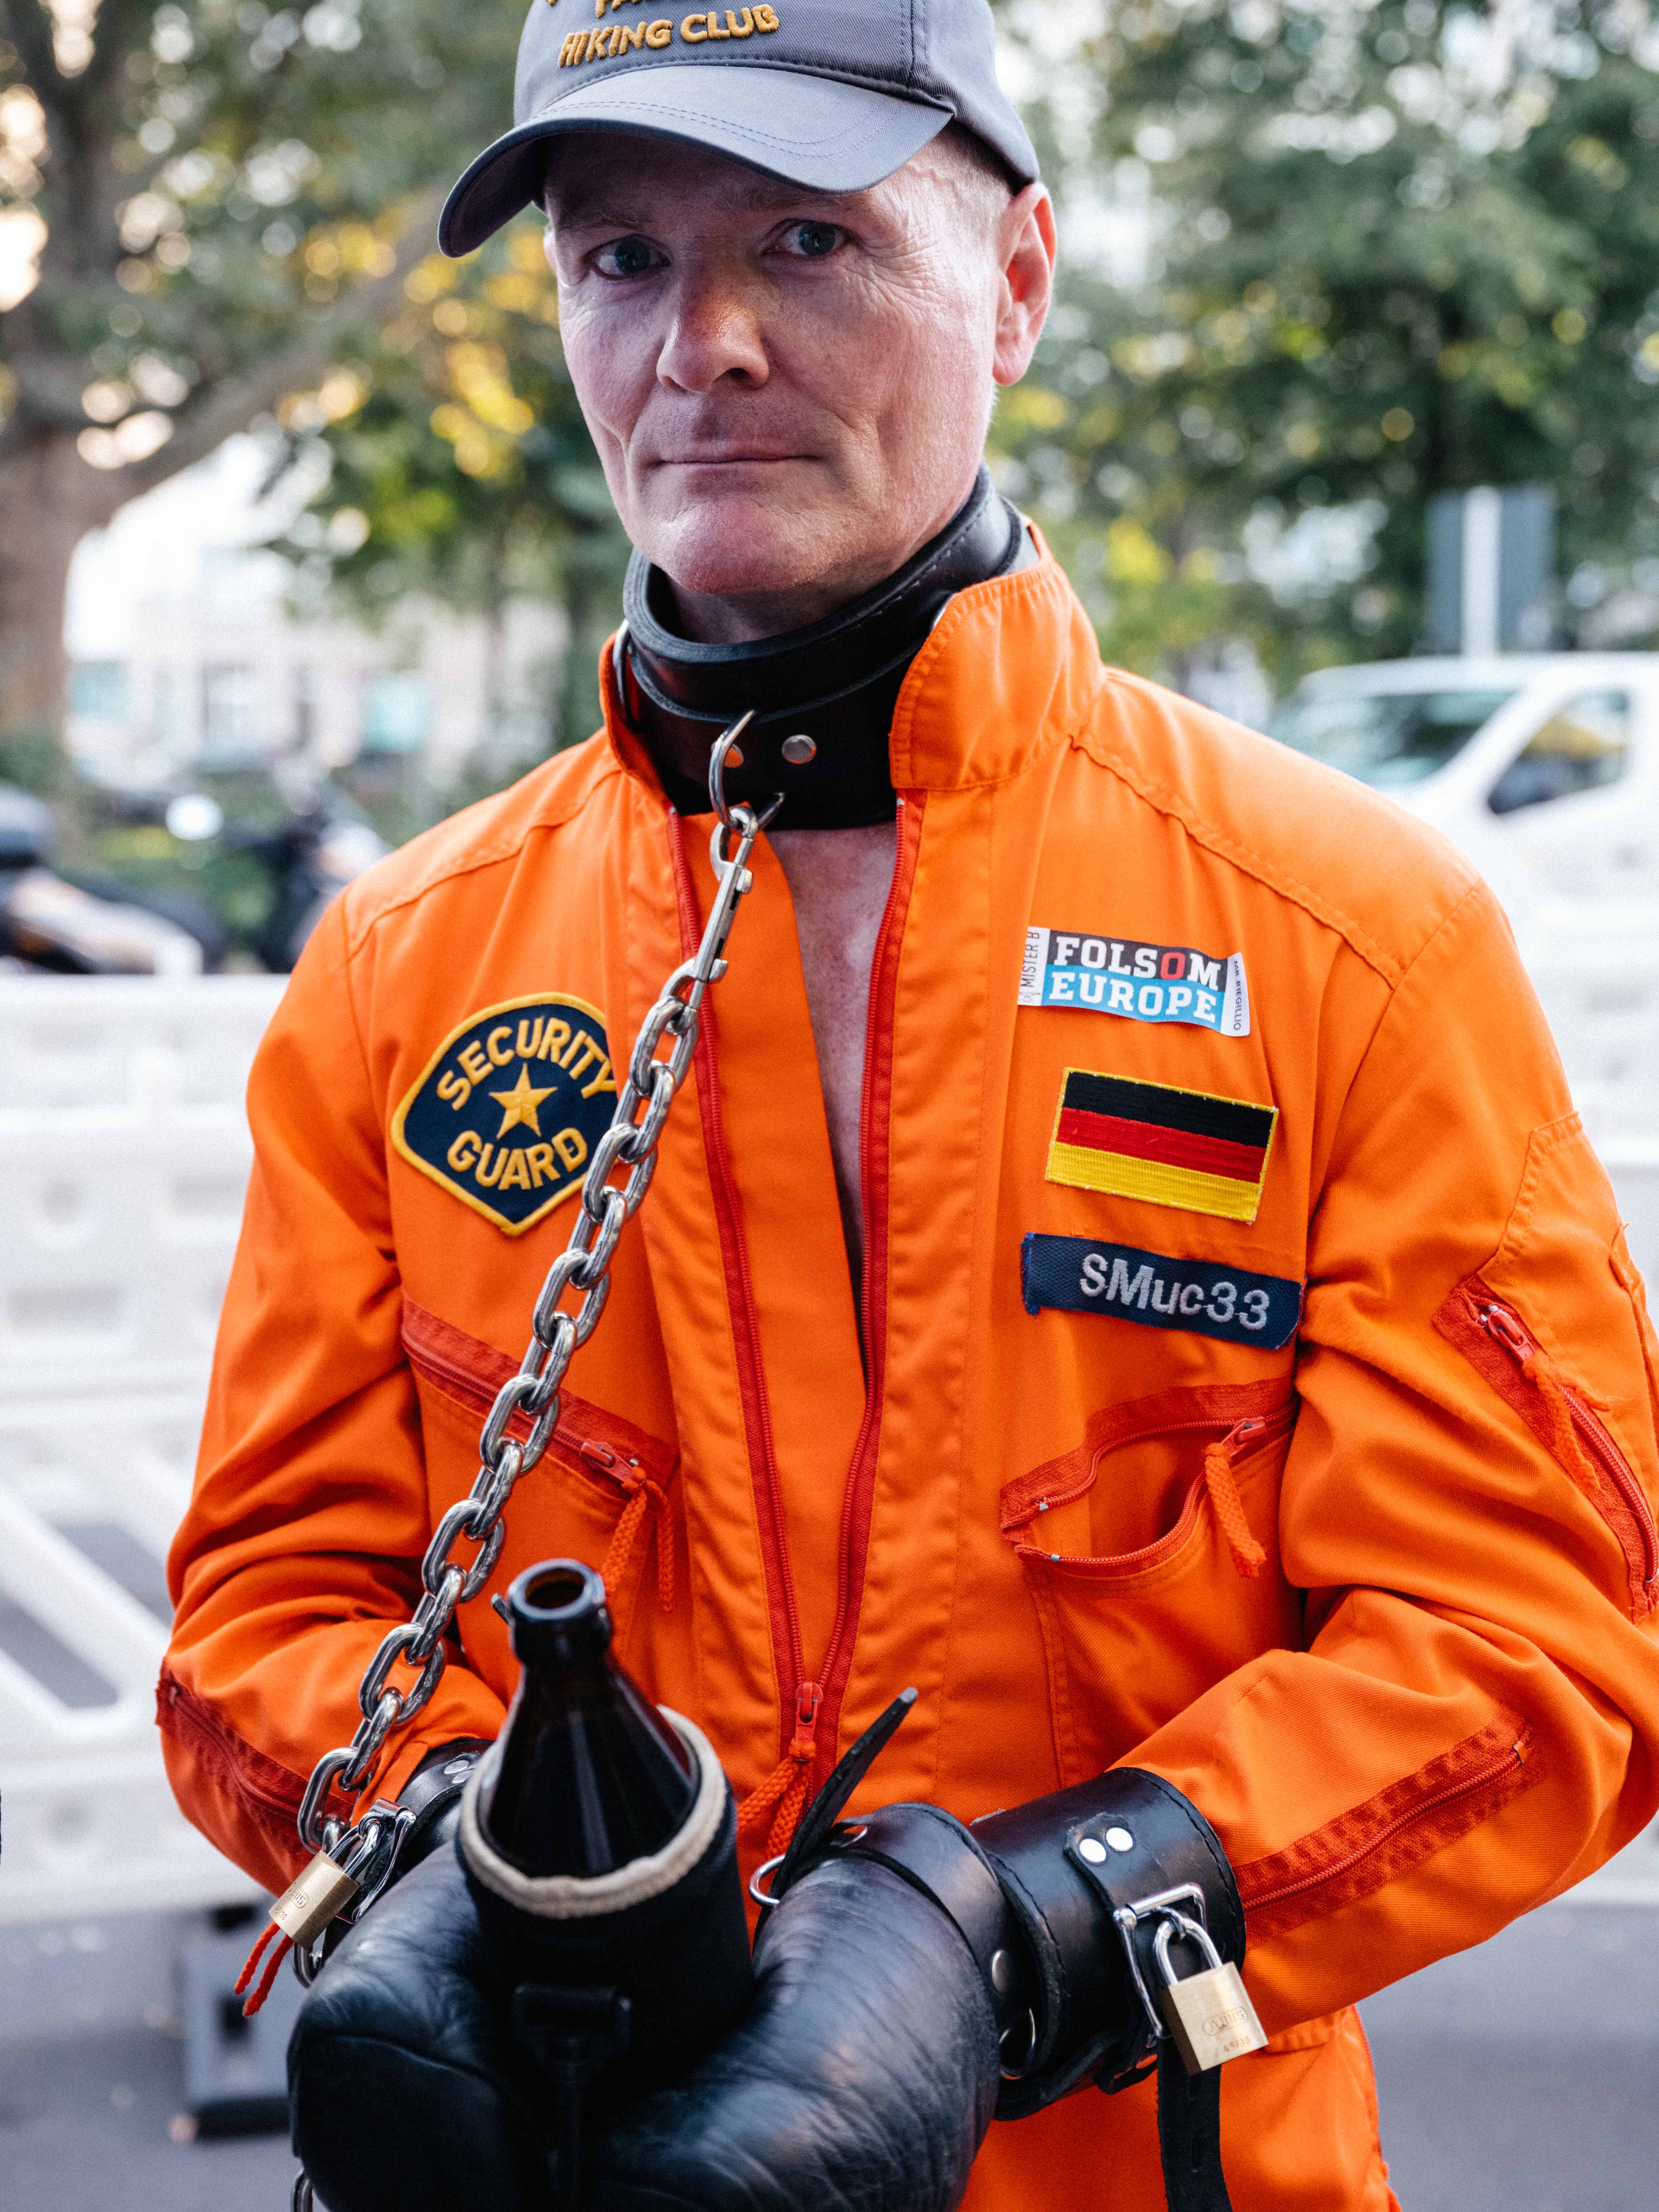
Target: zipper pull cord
x,y
1564,1429
1500,1324
644,1497
785,1787
1248,1556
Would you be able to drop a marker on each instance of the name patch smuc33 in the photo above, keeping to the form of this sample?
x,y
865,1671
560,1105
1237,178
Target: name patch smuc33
x,y
510,1106
1142,982
1075,1274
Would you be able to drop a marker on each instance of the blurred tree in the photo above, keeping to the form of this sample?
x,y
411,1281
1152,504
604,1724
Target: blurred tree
x,y
1345,256
199,203
457,465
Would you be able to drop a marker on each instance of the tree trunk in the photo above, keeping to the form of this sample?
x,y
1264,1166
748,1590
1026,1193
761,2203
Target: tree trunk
x,y
50,499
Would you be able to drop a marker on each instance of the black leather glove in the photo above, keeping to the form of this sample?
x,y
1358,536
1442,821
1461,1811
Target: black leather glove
x,y
865,2072
916,1977
405,2088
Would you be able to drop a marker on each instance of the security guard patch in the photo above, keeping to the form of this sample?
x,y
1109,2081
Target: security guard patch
x,y
1075,1274
510,1107
1187,1148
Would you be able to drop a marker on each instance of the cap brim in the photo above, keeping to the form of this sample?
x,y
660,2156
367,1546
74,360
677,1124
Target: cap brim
x,y
817,132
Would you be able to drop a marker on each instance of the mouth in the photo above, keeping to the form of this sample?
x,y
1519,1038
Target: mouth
x,y
729,458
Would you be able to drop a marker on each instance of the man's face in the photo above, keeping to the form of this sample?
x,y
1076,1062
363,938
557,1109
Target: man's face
x,y
789,390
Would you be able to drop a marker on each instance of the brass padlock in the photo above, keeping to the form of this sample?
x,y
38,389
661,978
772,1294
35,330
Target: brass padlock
x,y
317,1897
1210,2013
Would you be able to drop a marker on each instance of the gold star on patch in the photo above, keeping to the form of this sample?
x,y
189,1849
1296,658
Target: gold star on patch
x,y
521,1103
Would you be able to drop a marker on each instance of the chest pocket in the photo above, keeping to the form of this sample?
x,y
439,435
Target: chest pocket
x,y
612,1502
1151,1556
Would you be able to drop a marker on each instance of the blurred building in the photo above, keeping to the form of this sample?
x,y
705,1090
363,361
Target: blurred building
x,y
189,649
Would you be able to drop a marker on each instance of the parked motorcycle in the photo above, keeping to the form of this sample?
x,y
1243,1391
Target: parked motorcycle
x,y
88,925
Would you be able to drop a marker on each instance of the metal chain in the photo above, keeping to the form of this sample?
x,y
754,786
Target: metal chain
x,y
583,1267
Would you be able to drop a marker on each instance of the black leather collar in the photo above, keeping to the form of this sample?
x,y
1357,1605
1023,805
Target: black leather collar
x,y
835,682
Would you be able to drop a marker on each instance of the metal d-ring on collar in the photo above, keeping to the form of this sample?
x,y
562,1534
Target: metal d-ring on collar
x,y
726,748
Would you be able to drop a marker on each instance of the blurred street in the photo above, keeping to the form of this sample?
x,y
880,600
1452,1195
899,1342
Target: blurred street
x,y
1517,2078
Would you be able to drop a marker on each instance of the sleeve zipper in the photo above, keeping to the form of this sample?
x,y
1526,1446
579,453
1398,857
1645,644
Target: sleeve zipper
x,y
1503,1326
1490,1770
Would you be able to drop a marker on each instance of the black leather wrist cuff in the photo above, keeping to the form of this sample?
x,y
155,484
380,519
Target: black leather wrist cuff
x,y
1067,1863
433,1794
930,1850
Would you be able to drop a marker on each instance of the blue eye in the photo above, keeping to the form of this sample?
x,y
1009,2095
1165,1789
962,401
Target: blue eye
x,y
814,239
628,257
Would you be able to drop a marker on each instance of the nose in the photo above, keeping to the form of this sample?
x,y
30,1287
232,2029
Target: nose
x,y
714,334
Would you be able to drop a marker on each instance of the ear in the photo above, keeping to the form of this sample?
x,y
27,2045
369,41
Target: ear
x,y
1026,250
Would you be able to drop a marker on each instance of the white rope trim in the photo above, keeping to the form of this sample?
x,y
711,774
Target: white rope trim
x,y
583,1896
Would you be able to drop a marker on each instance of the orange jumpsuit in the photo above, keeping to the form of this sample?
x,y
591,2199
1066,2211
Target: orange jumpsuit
x,y
1375,1592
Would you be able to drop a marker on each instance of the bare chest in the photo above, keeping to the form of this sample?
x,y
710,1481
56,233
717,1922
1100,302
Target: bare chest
x,y
839,880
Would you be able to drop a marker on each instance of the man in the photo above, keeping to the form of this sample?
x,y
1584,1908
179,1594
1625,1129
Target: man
x,y
1126,1262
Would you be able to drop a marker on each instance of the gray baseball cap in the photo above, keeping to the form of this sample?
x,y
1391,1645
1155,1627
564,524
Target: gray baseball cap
x,y
832,95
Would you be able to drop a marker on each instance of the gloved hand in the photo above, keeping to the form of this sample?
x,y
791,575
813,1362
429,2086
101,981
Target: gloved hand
x,y
405,2089
909,1962
865,2072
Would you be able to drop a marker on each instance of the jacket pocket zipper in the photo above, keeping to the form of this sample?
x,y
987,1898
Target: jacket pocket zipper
x,y
1503,1326
1221,1458
635,1479
1491,1770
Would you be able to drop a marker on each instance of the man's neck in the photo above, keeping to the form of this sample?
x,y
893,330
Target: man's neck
x,y
745,618
829,686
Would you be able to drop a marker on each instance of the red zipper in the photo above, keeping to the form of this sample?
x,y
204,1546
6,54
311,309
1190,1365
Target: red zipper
x,y
474,1376
874,1118
784,1614
810,1715
1494,1770
1243,1437
1505,1327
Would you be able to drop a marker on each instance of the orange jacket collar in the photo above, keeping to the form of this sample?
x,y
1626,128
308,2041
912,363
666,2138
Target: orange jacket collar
x,y
1011,672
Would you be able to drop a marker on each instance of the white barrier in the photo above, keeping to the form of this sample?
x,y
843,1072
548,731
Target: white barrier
x,y
123,1154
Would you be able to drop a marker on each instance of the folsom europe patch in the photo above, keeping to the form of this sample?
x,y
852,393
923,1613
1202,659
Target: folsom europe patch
x,y
510,1106
1142,982
1074,1275
1185,1148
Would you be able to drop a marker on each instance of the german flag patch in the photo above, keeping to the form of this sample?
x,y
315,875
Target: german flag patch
x,y
1150,1140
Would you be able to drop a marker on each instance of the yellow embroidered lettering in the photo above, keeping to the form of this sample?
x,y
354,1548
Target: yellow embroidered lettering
x,y
515,1176
540,1157
482,1171
462,1154
659,32
528,1051
582,1055
571,51
629,35
715,30
693,38
603,1081
472,1059
456,1087
766,19
558,1036
501,1055
571,1147
739,30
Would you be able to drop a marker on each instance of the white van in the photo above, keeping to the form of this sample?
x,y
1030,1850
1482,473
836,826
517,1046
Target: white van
x,y
1543,767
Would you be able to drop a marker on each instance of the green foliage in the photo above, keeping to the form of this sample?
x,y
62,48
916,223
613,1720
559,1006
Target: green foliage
x,y
1389,250
214,177
459,463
